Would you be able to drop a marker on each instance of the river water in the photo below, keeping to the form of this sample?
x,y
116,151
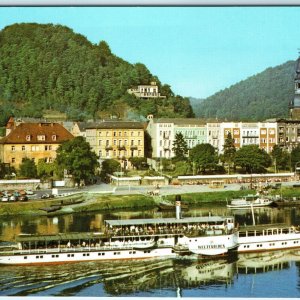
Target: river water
x,y
273,274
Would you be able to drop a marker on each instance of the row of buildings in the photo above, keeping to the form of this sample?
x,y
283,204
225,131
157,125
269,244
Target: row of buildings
x,y
121,140
124,139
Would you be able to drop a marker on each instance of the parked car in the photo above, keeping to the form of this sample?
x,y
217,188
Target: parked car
x,y
45,196
12,198
4,199
29,192
23,198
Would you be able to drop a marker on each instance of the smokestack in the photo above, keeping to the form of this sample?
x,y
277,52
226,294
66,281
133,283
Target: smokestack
x,y
178,206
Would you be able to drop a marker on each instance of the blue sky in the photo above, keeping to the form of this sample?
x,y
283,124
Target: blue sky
x,y
196,50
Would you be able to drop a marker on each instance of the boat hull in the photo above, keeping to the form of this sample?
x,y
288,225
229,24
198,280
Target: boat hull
x,y
68,257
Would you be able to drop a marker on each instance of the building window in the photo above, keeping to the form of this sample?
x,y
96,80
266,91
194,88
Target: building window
x,y
115,153
132,142
100,142
115,134
100,153
107,142
107,153
28,137
13,160
120,133
139,153
115,142
41,137
125,133
13,148
53,137
132,133
139,142
23,148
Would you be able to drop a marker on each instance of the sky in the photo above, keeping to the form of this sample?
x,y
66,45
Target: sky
x,y
196,50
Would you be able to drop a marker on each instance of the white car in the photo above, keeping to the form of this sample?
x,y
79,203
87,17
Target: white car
x,y
12,198
4,199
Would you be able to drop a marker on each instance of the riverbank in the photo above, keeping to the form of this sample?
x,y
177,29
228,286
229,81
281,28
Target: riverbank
x,y
87,202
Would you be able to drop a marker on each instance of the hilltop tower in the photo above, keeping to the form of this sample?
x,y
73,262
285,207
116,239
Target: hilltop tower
x,y
295,103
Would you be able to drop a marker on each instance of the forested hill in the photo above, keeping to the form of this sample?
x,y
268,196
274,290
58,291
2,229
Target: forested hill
x,y
49,67
262,96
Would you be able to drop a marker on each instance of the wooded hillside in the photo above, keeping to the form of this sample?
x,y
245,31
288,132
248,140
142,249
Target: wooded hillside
x,y
49,67
262,96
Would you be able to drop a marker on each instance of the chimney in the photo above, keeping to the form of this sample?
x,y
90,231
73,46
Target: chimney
x,y
178,206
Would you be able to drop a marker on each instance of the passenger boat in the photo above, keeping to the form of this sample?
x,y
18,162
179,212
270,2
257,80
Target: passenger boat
x,y
128,239
249,202
258,238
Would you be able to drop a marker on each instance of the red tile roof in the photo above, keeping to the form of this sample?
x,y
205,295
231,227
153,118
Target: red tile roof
x,y
48,133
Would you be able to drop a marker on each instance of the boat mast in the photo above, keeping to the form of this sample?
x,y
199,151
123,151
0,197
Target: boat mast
x,y
252,212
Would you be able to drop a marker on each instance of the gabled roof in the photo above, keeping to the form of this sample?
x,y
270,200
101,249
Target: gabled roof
x,y
116,125
48,130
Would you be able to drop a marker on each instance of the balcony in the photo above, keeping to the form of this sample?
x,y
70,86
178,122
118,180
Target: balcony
x,y
107,147
121,147
132,147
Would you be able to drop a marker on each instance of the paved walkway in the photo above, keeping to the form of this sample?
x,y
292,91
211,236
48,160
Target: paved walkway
x,y
164,190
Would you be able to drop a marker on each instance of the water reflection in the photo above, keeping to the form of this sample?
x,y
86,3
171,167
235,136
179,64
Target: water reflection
x,y
11,226
125,278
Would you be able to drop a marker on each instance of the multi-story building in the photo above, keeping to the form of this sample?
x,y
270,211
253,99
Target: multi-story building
x,y
32,140
288,133
193,131
163,132
214,134
116,140
146,91
262,134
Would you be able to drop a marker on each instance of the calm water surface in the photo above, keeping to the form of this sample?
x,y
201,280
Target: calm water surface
x,y
274,274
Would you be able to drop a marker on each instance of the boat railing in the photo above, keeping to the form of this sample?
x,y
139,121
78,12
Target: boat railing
x,y
75,249
172,231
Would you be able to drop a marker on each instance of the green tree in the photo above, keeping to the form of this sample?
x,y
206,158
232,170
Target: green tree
x,y
180,147
45,170
28,168
138,162
252,159
108,167
280,158
295,158
78,159
229,151
203,157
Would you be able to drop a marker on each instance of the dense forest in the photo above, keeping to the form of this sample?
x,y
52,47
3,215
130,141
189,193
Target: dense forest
x,y
262,96
50,68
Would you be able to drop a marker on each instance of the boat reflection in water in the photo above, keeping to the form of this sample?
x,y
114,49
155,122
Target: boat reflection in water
x,y
138,277
249,263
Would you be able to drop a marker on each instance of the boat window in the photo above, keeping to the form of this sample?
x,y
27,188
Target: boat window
x,y
242,234
53,255
285,230
25,257
251,233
